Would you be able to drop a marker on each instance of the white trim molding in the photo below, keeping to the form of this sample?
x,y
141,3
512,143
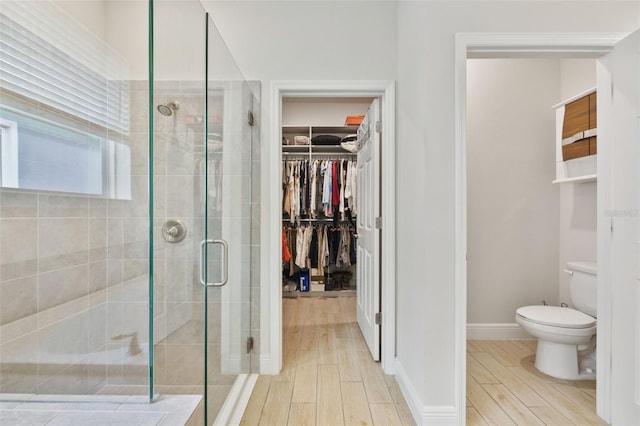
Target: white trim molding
x,y
508,331
265,364
510,45
232,409
531,45
271,302
423,414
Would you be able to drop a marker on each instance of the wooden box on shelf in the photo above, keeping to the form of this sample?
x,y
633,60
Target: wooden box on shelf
x,y
576,138
579,123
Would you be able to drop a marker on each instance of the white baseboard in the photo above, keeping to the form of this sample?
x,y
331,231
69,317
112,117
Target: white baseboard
x,y
243,399
232,409
423,414
508,331
266,365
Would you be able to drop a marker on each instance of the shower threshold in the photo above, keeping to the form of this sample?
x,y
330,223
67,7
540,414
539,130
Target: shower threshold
x,y
36,410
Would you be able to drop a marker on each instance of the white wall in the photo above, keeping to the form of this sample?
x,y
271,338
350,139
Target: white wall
x,y
128,33
90,14
281,40
425,136
179,41
512,206
578,201
492,87
322,112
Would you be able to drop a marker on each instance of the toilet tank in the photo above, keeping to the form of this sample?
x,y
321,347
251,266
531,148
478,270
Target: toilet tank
x,y
583,286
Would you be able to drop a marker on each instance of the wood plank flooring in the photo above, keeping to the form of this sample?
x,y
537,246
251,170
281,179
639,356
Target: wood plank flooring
x,y
328,376
504,388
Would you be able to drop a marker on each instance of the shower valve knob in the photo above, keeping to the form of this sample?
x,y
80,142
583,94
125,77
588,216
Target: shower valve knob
x,y
174,231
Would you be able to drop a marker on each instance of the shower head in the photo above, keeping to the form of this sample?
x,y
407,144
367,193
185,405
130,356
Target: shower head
x,y
168,108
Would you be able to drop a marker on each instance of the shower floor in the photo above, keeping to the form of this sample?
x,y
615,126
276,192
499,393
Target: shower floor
x,y
178,384
51,410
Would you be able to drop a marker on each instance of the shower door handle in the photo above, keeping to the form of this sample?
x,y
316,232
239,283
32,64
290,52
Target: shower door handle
x,y
225,262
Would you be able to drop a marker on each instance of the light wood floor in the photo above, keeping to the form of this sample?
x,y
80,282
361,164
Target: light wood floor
x,y
504,388
328,375
329,378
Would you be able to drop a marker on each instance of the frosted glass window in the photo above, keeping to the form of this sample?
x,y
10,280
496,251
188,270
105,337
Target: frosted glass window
x,y
43,155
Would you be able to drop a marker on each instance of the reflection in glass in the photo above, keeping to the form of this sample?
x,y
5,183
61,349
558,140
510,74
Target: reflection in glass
x,y
93,300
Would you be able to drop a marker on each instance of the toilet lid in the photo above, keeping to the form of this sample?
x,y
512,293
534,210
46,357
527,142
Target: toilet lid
x,y
556,316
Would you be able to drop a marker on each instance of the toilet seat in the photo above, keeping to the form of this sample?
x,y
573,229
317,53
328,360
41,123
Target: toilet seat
x,y
556,316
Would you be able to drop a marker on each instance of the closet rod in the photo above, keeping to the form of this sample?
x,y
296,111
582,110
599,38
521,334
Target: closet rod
x,y
327,220
319,154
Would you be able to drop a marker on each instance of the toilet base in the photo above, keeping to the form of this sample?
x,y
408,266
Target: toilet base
x,y
564,361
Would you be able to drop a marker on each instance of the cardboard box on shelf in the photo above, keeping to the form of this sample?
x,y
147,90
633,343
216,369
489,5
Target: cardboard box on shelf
x,y
354,120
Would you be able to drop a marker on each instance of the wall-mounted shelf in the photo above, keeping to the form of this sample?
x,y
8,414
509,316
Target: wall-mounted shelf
x,y
576,138
578,179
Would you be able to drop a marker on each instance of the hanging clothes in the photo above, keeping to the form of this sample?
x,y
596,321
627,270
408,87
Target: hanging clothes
x,y
313,174
343,257
342,173
350,191
328,183
313,249
335,191
286,254
319,246
319,189
318,197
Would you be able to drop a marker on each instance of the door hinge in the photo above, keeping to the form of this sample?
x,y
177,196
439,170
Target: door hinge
x,y
379,126
378,319
249,344
378,223
250,118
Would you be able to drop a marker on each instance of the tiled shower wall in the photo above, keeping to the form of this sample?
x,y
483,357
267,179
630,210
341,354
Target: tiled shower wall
x,y
74,271
178,174
69,265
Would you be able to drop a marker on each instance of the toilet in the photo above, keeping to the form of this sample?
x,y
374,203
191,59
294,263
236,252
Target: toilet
x,y
566,336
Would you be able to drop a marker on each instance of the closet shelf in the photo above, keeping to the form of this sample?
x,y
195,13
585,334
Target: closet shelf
x,y
578,179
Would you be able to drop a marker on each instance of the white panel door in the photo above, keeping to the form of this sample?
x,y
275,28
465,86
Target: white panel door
x,y
619,140
368,202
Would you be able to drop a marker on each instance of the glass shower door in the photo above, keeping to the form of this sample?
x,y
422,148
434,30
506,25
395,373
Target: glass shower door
x,y
202,207
227,247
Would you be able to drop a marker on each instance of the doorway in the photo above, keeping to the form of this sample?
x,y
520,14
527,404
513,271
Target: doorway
x,y
272,305
509,45
522,231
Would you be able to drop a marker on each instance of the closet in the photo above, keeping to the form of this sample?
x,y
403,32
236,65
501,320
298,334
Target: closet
x,y
319,195
331,242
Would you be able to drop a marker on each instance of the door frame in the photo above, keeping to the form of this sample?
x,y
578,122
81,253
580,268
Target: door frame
x,y
527,45
271,302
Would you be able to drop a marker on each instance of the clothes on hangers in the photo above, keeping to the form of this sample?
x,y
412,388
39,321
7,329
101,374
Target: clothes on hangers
x,y
286,254
315,188
319,246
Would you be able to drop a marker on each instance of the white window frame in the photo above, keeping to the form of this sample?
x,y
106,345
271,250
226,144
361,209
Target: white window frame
x,y
9,150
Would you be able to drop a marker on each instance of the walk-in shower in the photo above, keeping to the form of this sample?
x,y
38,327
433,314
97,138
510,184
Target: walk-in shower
x,y
112,217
